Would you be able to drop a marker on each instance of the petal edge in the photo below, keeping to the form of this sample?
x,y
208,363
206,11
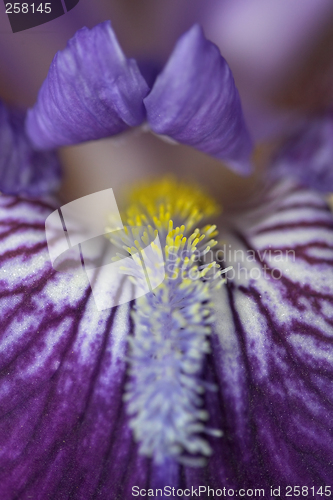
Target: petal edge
x,y
91,91
195,102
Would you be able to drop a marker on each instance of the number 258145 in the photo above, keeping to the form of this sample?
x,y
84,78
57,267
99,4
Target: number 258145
x,y
24,8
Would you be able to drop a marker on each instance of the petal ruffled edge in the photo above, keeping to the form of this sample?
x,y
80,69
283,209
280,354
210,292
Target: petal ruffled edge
x,y
195,101
91,91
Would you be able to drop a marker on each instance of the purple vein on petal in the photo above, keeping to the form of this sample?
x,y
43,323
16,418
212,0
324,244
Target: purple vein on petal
x,y
273,344
91,91
63,425
195,102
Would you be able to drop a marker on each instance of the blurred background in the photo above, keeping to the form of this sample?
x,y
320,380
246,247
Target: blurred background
x,y
280,52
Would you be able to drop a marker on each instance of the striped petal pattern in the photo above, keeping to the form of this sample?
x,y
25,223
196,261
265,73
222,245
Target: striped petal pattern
x,y
273,346
63,427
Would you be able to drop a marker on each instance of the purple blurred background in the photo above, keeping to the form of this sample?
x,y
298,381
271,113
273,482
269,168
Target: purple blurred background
x,y
280,52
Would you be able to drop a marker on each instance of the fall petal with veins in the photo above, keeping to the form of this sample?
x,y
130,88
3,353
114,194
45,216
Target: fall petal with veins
x,y
272,348
64,429
62,423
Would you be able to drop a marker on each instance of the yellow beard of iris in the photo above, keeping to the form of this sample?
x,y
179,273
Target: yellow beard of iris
x,y
173,322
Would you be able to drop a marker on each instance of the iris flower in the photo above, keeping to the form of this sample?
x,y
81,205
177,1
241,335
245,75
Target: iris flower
x,y
201,382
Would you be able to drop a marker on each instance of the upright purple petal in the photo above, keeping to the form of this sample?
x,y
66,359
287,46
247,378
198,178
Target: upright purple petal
x,y
308,155
194,101
91,91
23,170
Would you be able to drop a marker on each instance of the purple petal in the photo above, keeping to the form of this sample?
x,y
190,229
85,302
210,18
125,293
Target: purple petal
x,y
63,425
194,101
308,155
23,170
91,91
273,347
